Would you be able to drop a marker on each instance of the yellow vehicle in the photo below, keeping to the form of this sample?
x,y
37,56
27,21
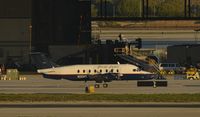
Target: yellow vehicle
x,y
192,73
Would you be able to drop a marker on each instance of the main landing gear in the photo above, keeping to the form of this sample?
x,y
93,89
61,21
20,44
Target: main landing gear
x,y
105,85
97,84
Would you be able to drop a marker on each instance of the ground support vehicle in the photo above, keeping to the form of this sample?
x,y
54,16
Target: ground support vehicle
x,y
192,74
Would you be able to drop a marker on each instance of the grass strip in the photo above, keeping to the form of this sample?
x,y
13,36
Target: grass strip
x,y
100,97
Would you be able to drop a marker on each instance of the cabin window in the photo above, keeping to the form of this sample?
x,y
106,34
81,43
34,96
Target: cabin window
x,y
100,70
106,70
111,70
78,71
95,71
83,71
117,70
134,70
89,71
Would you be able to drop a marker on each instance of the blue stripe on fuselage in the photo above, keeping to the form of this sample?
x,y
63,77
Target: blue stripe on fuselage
x,y
76,78
137,77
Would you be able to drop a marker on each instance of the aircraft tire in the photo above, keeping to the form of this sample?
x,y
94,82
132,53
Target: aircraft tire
x,y
105,85
191,78
97,86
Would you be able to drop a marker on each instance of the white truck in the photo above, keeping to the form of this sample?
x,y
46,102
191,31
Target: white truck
x,y
171,68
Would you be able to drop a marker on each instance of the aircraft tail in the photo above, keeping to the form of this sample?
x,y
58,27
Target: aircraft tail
x,y
40,61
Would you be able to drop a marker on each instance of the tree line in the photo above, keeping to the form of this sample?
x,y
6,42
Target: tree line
x,y
133,8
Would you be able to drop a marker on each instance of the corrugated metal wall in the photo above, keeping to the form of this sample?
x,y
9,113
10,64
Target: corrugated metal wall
x,y
184,54
15,19
61,22
15,8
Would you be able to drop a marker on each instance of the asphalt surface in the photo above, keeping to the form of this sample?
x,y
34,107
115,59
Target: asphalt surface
x,y
147,35
111,105
92,111
38,84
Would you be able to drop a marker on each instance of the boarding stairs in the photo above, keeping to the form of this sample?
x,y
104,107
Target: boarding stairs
x,y
137,59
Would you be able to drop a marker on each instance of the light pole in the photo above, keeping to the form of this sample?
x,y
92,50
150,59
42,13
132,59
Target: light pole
x,y
113,11
196,35
30,42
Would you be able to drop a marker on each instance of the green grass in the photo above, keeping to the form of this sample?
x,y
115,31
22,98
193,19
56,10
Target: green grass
x,y
100,97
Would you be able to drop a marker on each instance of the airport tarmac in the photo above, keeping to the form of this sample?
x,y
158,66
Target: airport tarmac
x,y
100,112
147,35
38,84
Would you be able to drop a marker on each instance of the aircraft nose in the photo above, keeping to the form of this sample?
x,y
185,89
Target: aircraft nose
x,y
43,70
39,71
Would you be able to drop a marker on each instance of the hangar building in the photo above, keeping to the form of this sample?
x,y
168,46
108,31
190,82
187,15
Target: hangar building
x,y
43,25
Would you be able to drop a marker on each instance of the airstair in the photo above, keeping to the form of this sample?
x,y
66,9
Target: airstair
x,y
137,59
